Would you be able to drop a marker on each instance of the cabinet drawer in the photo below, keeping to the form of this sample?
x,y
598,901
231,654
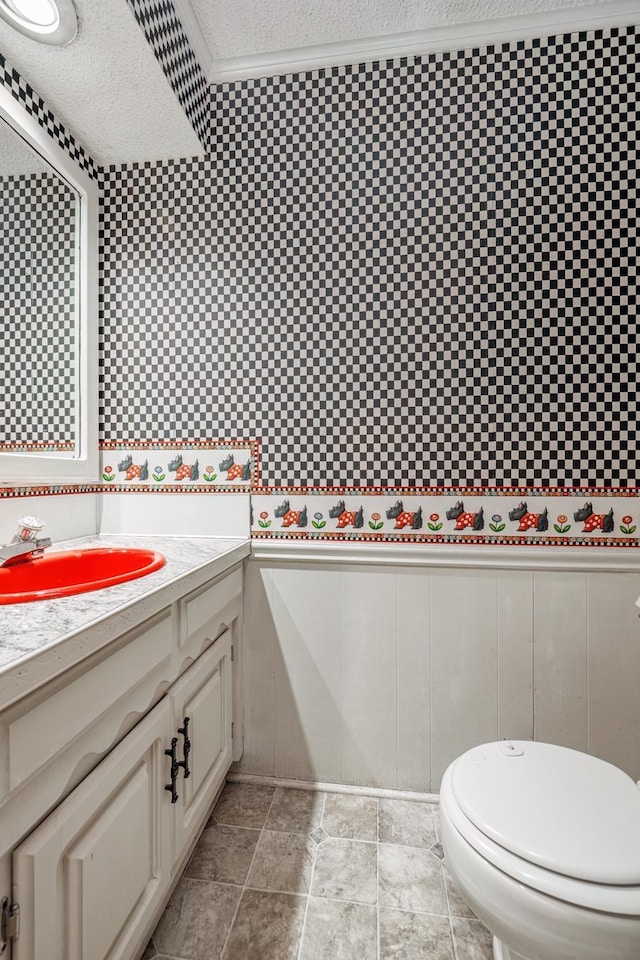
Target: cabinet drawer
x,y
207,611
40,734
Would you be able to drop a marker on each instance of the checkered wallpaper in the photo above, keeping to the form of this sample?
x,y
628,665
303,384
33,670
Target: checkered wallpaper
x,y
170,44
37,334
35,106
417,272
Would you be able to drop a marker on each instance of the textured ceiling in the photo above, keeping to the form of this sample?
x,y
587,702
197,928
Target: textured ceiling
x,y
235,28
110,92
106,86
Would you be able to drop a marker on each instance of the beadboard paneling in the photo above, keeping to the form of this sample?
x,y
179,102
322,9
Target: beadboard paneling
x,y
368,652
464,630
614,669
515,655
380,676
307,678
413,680
560,671
261,643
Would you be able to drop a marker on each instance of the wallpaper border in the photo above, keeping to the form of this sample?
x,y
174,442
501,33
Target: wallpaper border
x,y
504,516
127,466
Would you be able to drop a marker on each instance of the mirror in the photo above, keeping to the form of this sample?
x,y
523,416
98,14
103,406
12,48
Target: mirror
x,y
38,288
48,305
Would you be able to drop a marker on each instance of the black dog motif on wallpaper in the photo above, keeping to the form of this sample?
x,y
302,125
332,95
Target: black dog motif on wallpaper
x,y
473,520
183,471
594,521
346,517
134,471
289,516
236,471
528,521
403,518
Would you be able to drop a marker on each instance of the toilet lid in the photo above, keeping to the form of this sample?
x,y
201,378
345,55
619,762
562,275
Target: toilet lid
x,y
558,808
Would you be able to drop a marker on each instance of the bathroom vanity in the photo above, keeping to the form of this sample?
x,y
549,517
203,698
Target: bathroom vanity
x,y
115,739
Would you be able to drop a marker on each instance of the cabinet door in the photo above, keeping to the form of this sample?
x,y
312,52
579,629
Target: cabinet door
x,y
94,871
203,695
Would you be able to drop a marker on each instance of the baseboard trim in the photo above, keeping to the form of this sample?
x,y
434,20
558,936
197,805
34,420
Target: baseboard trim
x,y
322,787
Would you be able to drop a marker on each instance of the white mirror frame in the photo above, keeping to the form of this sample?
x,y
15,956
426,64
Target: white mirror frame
x,y
49,468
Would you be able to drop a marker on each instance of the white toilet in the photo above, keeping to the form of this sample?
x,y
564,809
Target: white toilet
x,y
544,843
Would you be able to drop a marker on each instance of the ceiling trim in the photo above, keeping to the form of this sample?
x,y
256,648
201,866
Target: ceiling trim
x,y
450,37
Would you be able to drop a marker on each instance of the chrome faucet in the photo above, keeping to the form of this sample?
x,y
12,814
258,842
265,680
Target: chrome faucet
x,y
26,545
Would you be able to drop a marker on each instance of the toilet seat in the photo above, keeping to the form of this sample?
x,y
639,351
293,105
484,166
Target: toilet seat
x,y
537,812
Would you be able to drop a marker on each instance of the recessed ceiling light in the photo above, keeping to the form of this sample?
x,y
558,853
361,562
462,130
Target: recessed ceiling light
x,y
49,21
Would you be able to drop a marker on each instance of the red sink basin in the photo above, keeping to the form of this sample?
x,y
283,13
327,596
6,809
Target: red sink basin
x,y
74,571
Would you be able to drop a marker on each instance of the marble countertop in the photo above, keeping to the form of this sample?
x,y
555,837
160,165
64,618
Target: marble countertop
x,y
44,637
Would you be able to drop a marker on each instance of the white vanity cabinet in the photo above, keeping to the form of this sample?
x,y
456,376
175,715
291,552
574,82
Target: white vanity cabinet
x,y
97,868
91,877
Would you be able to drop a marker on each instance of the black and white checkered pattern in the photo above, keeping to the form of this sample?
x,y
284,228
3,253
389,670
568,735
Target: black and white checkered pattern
x,y
37,277
35,106
170,44
418,272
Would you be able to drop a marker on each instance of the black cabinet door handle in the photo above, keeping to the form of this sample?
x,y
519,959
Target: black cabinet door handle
x,y
174,770
186,749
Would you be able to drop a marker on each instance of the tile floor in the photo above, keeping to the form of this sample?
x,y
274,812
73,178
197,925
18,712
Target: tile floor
x,y
286,874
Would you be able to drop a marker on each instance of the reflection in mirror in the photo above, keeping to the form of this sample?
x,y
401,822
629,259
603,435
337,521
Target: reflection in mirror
x,y
61,277
39,329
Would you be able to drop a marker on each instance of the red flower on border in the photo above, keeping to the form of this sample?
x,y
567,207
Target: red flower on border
x,y
264,514
434,517
627,519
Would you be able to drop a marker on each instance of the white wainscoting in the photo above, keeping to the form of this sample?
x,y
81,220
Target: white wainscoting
x,y
380,673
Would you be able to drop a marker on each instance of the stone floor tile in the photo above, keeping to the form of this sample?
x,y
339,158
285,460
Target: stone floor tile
x,y
223,853
414,936
406,822
336,930
472,939
345,870
437,850
268,926
319,835
458,906
197,919
267,838
351,817
244,805
283,862
410,878
295,811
